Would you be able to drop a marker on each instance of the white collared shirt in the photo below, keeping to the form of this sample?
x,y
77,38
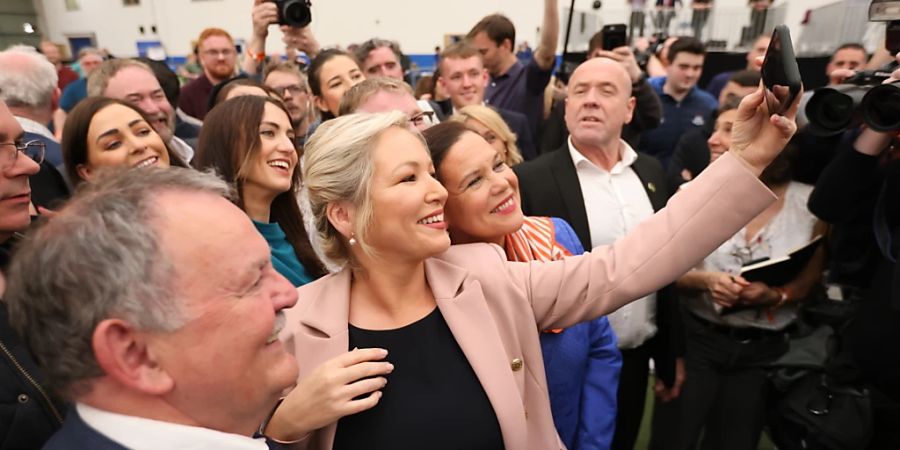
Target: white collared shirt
x,y
615,202
30,126
182,149
138,433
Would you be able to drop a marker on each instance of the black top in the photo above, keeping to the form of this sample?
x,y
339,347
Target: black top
x,y
432,399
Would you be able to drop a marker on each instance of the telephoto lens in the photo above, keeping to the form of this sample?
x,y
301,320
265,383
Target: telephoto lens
x,y
881,107
832,110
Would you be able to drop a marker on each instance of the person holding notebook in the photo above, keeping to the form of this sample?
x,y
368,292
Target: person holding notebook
x,y
735,327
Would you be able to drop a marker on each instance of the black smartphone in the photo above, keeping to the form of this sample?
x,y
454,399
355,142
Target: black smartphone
x,y
614,36
780,73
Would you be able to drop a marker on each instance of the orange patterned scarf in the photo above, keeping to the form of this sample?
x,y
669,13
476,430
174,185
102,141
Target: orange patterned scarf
x,y
535,241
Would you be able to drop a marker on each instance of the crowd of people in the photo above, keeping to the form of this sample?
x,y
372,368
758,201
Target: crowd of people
x,y
316,255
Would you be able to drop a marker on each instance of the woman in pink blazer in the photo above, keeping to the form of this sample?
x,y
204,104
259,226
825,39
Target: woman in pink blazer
x,y
461,323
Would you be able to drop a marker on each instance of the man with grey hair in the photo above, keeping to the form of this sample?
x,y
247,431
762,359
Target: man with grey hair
x,y
151,303
29,90
135,83
28,87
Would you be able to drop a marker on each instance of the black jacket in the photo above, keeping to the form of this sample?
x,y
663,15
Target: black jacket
x,y
846,194
550,187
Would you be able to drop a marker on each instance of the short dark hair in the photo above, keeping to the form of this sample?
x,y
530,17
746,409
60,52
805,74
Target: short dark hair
x,y
745,78
74,141
595,43
851,46
686,44
498,29
229,140
362,52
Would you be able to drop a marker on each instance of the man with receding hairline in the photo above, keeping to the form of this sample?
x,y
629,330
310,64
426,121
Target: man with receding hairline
x,y
595,173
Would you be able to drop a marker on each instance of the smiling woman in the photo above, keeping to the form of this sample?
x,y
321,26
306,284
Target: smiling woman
x,y
249,141
103,133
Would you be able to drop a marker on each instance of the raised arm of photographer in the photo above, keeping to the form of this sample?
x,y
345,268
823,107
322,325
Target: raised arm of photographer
x,y
264,13
302,39
545,55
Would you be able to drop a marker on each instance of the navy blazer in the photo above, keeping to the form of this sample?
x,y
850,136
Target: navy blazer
x,y
75,434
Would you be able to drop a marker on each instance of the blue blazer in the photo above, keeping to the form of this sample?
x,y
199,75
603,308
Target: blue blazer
x,y
582,365
77,435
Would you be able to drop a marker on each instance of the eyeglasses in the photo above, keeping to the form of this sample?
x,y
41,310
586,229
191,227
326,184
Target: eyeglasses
x,y
9,153
422,118
293,89
219,53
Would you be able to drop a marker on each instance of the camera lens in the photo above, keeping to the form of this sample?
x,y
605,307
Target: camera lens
x,y
832,110
296,13
881,107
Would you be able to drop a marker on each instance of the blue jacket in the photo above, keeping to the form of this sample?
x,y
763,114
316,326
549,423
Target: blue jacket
x,y
582,365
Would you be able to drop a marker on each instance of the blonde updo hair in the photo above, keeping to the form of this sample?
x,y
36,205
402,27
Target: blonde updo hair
x,y
338,166
494,122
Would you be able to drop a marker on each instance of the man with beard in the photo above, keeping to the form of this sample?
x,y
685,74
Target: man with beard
x,y
286,79
135,83
218,58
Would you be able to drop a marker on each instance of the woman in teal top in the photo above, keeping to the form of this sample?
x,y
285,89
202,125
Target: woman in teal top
x,y
249,141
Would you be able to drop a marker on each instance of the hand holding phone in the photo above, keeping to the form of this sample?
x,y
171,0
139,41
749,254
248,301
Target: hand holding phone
x,y
780,73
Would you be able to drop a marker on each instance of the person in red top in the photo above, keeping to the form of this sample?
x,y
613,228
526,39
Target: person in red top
x,y
218,57
66,75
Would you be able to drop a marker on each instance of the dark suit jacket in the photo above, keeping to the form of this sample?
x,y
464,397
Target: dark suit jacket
x,y
516,121
77,435
549,187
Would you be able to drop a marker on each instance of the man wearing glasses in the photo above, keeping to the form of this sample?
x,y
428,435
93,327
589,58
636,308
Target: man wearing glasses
x,y
286,79
30,414
218,57
383,94
30,93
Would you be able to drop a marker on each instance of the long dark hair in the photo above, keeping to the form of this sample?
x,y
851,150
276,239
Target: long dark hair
x,y
75,134
229,142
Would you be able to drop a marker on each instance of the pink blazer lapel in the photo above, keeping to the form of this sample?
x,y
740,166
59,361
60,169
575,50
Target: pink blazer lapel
x,y
465,310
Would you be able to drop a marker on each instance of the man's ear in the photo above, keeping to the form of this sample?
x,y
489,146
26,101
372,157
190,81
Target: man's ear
x,y
123,353
509,45
54,99
341,215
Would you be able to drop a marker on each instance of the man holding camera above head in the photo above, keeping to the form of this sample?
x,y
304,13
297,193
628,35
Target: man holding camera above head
x,y
218,57
297,35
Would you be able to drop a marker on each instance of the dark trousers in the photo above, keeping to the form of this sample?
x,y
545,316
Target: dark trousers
x,y
724,393
636,22
698,21
631,395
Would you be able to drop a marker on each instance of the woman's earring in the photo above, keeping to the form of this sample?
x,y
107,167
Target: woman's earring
x,y
352,241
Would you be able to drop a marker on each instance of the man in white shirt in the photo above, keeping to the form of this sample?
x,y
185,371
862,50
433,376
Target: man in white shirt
x,y
134,82
151,303
603,188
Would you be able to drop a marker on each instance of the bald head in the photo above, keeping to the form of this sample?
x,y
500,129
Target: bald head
x,y
599,104
602,68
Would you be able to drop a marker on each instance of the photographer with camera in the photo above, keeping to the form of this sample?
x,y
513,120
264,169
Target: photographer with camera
x,y
860,187
293,16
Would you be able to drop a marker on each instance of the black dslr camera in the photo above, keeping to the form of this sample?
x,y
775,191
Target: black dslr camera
x,y
862,97
294,13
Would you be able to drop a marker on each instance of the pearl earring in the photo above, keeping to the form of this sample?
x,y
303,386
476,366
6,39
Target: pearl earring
x,y
352,241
